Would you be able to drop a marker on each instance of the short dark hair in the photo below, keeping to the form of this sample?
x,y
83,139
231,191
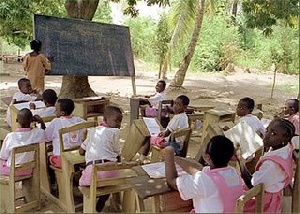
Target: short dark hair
x,y
294,104
163,83
36,45
109,110
66,105
184,99
220,150
249,103
50,96
24,116
22,81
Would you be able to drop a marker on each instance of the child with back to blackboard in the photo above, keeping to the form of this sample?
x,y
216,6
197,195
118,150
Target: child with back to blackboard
x,y
36,64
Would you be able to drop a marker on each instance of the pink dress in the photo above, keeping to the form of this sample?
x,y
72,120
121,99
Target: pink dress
x,y
228,194
273,201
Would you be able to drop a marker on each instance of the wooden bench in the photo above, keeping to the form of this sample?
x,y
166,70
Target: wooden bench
x,y
186,133
7,58
257,192
30,183
103,186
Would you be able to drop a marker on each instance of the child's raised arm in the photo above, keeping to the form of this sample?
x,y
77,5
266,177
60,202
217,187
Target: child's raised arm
x,y
188,165
171,173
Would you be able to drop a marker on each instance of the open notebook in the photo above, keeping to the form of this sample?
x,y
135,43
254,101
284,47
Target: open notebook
x,y
152,125
248,139
38,104
157,170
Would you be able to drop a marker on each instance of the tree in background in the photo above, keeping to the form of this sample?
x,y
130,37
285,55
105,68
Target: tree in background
x,y
16,27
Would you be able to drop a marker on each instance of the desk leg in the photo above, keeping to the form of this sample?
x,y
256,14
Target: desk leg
x,y
134,109
128,205
140,206
68,172
155,204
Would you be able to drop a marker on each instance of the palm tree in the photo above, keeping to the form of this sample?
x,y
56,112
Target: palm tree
x,y
180,74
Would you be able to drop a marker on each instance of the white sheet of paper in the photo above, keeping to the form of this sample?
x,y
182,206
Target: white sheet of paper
x,y
265,122
38,104
152,125
243,134
157,170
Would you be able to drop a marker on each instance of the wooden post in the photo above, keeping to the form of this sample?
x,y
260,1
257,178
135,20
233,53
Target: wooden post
x,y
133,85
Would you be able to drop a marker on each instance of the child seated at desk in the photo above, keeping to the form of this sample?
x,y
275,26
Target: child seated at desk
x,y
291,113
102,146
179,121
274,168
214,188
22,136
244,110
49,97
152,102
24,94
63,111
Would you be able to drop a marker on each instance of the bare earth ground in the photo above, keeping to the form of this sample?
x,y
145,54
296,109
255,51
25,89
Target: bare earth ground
x,y
217,89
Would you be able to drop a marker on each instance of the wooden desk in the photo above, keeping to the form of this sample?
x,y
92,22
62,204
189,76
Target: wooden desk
x,y
134,108
215,116
159,192
90,107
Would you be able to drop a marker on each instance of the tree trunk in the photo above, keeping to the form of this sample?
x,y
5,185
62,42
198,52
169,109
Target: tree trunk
x,y
180,74
78,86
234,10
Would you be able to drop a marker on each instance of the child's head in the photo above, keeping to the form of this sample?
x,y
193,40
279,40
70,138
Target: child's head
x,y
49,97
36,45
160,86
291,106
181,104
219,151
25,86
64,107
245,106
24,118
279,133
113,116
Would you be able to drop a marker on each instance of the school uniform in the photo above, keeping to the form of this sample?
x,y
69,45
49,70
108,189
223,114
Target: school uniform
x,y
20,137
44,112
102,146
70,139
213,190
294,119
154,102
274,170
254,123
18,96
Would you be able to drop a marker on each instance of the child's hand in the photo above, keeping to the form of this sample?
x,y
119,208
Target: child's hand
x,y
162,134
32,106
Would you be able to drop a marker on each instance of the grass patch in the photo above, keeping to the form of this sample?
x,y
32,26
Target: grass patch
x,y
290,88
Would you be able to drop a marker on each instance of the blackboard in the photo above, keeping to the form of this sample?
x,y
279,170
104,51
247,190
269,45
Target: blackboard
x,y
85,48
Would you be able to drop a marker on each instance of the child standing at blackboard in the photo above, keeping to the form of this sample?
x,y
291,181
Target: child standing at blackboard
x,y
36,65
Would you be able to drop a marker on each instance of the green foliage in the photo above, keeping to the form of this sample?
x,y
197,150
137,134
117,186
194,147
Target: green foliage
x,y
264,14
162,38
16,17
103,12
143,33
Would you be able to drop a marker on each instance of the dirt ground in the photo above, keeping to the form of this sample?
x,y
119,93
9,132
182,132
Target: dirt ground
x,y
217,89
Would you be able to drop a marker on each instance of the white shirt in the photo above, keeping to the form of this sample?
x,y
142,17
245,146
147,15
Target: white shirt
x,y
270,173
21,138
44,112
154,100
202,189
254,123
179,121
70,139
18,96
102,143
